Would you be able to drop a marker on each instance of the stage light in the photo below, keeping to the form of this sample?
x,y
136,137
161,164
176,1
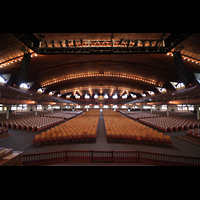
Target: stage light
x,y
74,42
66,43
120,41
60,42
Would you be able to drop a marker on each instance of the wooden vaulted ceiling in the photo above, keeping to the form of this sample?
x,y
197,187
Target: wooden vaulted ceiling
x,y
159,68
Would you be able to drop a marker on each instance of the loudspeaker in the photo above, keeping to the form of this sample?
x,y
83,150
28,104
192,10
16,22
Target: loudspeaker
x,y
185,78
24,68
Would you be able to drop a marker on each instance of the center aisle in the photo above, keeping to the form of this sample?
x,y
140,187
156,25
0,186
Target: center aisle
x,y
101,133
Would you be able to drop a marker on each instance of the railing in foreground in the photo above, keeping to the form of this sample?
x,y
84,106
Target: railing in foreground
x,y
108,156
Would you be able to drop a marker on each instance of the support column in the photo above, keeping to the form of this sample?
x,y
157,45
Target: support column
x,y
36,110
188,109
7,112
151,108
197,109
61,108
51,109
168,110
141,108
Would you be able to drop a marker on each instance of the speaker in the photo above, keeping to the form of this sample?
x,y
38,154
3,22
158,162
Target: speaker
x,y
24,68
185,78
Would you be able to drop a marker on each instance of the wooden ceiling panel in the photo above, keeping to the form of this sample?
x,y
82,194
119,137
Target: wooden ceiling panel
x,y
42,68
10,47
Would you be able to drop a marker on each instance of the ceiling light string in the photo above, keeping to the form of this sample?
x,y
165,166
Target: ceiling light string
x,y
92,74
185,57
16,59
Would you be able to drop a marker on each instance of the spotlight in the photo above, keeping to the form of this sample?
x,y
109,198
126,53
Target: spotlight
x,y
52,43
66,42
74,42
136,43
41,36
120,41
60,42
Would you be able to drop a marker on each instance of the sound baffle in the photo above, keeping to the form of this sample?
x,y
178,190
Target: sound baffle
x,y
185,78
24,68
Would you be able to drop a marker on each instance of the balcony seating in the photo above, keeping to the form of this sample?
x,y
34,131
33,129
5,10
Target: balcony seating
x,y
16,93
187,93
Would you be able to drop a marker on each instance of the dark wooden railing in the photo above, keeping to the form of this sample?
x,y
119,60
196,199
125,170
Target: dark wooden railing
x,y
108,156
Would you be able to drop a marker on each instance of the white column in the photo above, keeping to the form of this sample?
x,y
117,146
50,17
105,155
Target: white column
x,y
197,109
7,113
151,108
167,110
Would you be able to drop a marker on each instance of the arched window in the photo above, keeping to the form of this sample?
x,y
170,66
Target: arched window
x,y
106,96
180,85
2,80
24,85
87,96
124,96
134,96
115,96
40,90
77,96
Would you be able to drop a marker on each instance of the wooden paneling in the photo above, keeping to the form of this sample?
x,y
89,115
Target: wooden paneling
x,y
158,67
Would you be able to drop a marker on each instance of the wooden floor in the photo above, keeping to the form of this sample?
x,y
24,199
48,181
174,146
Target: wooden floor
x,y
21,140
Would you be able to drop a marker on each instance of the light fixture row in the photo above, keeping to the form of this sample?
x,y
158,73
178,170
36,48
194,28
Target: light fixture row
x,y
101,88
97,74
13,60
188,58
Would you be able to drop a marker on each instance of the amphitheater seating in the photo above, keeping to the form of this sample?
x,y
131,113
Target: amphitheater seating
x,y
3,130
25,122
120,128
62,115
173,123
140,115
194,132
82,128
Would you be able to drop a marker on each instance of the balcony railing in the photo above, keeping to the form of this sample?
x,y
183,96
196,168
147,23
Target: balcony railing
x,y
108,156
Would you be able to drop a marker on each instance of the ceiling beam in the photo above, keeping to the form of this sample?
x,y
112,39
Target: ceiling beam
x,y
174,39
100,47
29,40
